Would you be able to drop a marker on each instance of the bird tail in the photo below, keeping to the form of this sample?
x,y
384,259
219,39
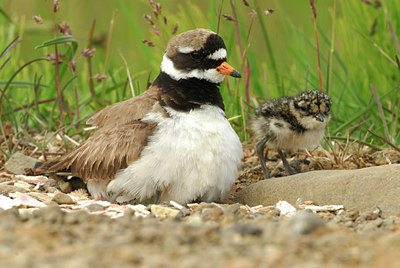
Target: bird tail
x,y
47,168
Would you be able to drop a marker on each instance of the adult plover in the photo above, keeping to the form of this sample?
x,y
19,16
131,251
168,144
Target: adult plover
x,y
173,142
291,123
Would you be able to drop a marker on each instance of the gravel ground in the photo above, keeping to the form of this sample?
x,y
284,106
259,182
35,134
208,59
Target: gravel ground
x,y
212,235
48,223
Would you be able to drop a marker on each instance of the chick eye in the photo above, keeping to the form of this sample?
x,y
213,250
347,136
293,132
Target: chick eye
x,y
196,55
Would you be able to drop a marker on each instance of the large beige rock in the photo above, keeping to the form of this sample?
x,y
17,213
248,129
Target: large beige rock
x,y
18,162
362,189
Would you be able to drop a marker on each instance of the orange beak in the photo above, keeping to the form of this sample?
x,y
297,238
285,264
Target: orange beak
x,y
226,69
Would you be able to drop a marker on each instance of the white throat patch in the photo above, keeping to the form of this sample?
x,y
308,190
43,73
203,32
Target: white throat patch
x,y
211,75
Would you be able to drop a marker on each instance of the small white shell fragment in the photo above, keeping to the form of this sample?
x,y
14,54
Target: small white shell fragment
x,y
6,175
7,203
140,210
323,208
37,186
285,208
79,194
103,203
173,203
299,201
30,202
32,179
192,206
40,196
113,214
23,184
257,207
251,209
15,194
85,203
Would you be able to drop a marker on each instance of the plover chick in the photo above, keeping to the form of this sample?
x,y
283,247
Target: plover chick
x,y
291,123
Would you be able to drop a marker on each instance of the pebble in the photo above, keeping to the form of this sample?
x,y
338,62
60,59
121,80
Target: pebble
x,y
11,189
26,213
361,218
76,217
194,220
94,207
235,212
52,214
52,190
65,186
138,210
278,172
41,197
317,163
305,223
61,198
49,183
162,211
18,162
183,212
373,225
5,179
212,214
377,211
349,223
204,205
389,222
247,229
353,214
371,216
378,222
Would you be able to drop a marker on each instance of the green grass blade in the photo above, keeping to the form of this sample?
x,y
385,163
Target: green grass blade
x,y
59,40
269,46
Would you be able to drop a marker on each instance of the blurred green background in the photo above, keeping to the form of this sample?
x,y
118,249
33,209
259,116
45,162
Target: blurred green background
x,y
357,50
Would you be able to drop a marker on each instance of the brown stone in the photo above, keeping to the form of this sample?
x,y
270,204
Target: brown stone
x,y
61,198
18,162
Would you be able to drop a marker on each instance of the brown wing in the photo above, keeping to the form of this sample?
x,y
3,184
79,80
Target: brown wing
x,y
108,150
125,111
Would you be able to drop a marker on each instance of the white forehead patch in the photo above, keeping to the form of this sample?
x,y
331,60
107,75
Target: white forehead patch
x,y
212,75
218,55
185,50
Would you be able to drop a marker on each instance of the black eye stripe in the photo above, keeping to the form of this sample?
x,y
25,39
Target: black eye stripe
x,y
198,59
196,55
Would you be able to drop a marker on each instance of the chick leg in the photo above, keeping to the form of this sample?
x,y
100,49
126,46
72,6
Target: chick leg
x,y
288,168
260,145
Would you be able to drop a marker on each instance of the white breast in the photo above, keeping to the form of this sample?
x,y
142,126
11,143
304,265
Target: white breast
x,y
288,139
195,155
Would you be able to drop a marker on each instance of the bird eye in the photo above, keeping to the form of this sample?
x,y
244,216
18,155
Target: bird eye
x,y
196,55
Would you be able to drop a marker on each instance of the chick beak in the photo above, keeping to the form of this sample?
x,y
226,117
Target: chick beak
x,y
226,69
319,117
